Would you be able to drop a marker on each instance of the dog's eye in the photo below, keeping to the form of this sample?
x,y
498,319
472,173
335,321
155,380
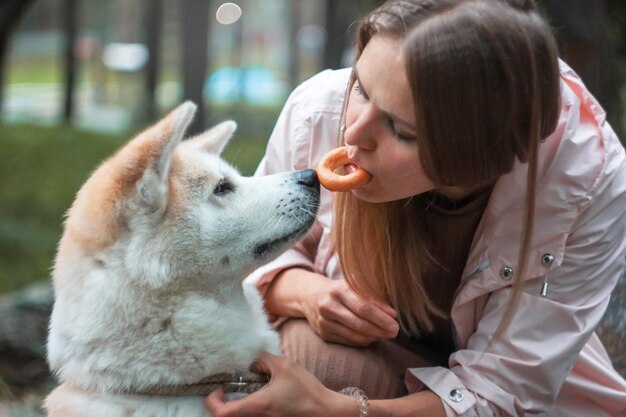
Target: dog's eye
x,y
223,187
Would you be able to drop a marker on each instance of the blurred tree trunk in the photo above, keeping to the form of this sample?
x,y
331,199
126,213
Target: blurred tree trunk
x,y
70,62
11,13
580,27
340,22
195,56
153,23
295,22
616,66
336,22
591,40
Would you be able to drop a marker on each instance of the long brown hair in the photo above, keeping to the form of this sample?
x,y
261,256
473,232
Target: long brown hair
x,y
485,84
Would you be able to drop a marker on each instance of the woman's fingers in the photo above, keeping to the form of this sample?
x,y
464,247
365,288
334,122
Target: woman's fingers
x,y
265,364
368,317
346,319
214,402
248,406
218,407
385,307
292,391
335,332
369,310
338,315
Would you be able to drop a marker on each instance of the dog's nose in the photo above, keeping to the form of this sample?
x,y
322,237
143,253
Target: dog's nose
x,y
308,178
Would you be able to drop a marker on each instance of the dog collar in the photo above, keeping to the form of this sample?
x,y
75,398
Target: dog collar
x,y
245,383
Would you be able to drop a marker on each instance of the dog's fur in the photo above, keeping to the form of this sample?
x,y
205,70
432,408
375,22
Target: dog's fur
x,y
148,275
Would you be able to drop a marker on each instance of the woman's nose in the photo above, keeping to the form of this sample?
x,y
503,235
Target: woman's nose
x,y
361,130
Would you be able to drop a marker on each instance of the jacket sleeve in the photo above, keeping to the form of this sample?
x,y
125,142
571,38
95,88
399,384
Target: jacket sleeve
x,y
286,151
522,373
306,128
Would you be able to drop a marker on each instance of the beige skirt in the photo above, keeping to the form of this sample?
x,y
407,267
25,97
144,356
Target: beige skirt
x,y
377,369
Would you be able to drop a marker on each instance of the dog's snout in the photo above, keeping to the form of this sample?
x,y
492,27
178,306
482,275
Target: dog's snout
x,y
307,178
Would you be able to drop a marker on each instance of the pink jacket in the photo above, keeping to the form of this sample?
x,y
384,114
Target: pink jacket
x,y
550,362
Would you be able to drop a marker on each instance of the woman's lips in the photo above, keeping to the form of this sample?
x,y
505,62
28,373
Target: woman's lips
x,y
350,168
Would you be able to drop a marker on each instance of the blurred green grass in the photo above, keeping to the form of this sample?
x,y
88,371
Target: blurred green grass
x,y
35,70
41,169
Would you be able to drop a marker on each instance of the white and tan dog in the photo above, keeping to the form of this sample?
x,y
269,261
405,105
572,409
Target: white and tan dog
x,y
148,275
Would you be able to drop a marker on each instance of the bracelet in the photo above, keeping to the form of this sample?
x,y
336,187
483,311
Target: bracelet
x,y
360,398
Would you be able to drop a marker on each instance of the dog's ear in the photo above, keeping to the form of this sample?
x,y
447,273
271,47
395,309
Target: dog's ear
x,y
157,145
215,139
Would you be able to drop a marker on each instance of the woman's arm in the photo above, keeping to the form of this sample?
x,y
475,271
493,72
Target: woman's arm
x,y
334,312
546,341
307,125
292,391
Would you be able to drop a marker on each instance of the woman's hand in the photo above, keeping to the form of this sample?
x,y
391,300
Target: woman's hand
x,y
332,309
291,391
338,315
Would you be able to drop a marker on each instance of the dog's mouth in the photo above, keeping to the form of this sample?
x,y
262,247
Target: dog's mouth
x,y
264,248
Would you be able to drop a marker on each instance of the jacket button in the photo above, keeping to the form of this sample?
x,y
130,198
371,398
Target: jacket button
x,y
506,272
456,395
547,259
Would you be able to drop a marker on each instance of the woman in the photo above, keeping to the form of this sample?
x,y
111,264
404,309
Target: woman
x,y
492,230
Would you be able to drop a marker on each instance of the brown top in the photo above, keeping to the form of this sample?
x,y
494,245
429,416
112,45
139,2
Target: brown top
x,y
450,225
379,368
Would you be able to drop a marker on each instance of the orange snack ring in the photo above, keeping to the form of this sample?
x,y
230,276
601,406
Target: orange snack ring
x,y
336,182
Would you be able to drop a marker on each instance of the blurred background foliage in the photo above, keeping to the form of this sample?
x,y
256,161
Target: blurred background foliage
x,y
79,77
42,168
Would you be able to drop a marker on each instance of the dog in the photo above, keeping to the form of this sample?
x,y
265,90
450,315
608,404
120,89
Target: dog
x,y
149,270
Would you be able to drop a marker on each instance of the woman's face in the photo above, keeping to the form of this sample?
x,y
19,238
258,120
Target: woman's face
x,y
380,125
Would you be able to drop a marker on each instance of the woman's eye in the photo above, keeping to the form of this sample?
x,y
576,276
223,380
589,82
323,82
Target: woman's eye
x,y
359,91
223,187
401,136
